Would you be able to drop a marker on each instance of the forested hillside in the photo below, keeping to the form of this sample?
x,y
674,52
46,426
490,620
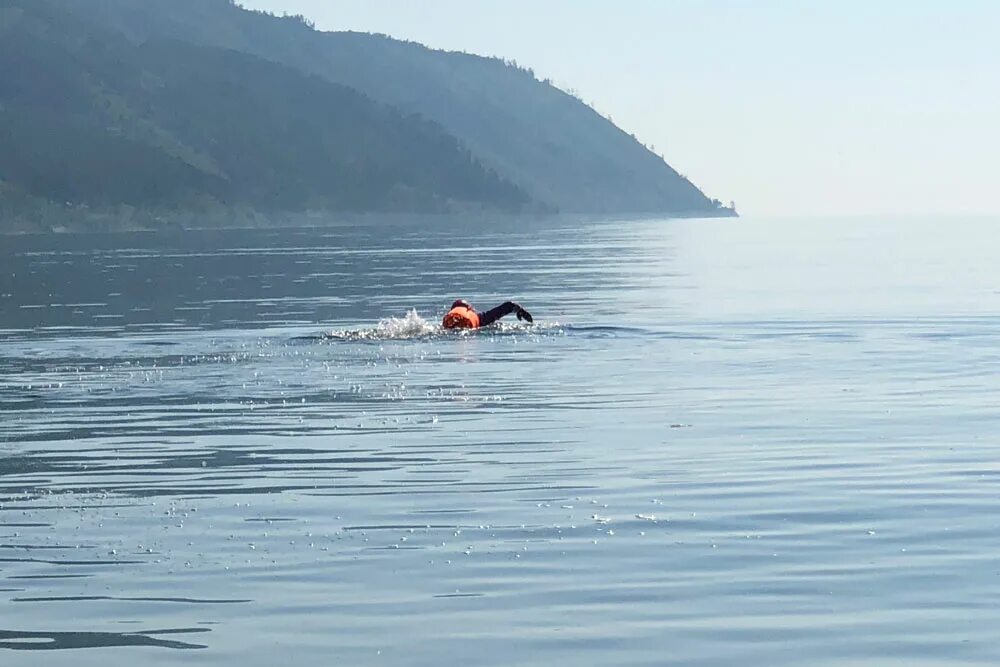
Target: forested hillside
x,y
201,106
89,117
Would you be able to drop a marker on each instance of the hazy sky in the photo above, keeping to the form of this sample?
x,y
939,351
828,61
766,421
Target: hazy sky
x,y
786,107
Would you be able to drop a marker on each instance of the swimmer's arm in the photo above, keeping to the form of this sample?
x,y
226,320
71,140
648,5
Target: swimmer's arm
x,y
504,309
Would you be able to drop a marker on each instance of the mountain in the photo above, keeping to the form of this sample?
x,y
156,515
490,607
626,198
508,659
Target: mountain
x,y
90,117
200,105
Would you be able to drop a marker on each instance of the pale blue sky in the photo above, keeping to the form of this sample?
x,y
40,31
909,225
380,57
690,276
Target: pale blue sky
x,y
787,107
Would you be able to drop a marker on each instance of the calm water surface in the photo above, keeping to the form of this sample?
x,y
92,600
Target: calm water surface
x,y
723,442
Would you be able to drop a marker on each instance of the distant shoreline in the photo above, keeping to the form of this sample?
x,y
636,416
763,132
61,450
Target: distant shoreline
x,y
76,221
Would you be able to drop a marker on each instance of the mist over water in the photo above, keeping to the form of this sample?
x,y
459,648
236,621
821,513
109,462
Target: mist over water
x,y
756,441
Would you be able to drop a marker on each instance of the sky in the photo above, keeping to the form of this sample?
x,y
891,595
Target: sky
x,y
794,107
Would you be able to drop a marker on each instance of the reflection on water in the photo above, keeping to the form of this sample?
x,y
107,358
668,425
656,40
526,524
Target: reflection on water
x,y
52,641
702,449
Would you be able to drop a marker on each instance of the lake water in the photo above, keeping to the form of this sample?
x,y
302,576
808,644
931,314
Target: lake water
x,y
759,442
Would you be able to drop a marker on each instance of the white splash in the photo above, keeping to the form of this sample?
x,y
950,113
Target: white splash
x,y
413,326
391,328
410,326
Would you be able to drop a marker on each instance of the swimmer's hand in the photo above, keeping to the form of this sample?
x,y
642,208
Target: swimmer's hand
x,y
524,315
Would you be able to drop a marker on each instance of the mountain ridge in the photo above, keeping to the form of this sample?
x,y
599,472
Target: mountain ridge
x,y
160,89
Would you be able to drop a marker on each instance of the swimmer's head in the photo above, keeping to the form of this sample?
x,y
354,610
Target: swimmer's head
x,y
462,303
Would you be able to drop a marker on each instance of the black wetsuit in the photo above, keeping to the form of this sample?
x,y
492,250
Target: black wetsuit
x,y
494,314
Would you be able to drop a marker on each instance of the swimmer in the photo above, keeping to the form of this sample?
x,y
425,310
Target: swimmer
x,y
463,316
